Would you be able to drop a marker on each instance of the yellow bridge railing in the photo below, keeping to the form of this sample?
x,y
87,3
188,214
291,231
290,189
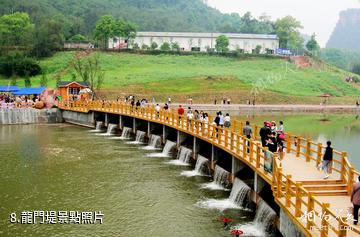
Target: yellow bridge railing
x,y
292,197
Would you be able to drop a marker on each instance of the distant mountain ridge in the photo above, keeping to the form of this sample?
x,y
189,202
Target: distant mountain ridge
x,y
346,34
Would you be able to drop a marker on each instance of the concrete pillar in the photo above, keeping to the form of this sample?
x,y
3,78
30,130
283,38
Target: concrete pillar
x,y
106,120
233,170
121,122
134,125
93,118
177,139
256,182
259,183
148,129
212,156
163,134
194,148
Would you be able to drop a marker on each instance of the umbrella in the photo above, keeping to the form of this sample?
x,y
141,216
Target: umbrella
x,y
85,91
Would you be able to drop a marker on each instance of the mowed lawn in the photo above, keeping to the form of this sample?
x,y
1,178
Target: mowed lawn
x,y
202,74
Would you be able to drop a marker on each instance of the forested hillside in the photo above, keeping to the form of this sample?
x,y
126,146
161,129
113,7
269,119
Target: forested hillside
x,y
346,34
345,59
79,17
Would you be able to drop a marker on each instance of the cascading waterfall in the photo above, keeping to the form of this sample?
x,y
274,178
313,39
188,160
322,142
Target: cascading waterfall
x,y
221,176
139,138
168,148
238,199
183,157
265,216
201,167
99,125
154,143
221,179
111,129
126,133
240,193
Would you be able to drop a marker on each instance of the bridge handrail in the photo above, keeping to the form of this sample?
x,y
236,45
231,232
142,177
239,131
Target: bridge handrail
x,y
233,141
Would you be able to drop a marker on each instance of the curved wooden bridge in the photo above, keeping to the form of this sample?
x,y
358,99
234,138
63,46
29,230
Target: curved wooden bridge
x,y
318,207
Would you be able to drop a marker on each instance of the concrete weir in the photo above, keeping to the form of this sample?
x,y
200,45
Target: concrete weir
x,y
260,189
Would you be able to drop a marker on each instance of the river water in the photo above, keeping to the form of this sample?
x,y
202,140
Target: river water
x,y
67,168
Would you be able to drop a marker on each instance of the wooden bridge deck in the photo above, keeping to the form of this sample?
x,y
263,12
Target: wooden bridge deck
x,y
298,186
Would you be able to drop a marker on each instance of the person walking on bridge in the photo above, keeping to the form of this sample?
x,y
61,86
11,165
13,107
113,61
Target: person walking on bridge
x,y
327,160
247,131
264,133
355,200
180,111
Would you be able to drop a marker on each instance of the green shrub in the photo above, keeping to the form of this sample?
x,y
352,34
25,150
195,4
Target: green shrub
x,y
17,64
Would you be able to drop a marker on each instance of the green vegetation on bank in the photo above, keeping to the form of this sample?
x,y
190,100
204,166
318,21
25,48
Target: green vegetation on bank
x,y
194,74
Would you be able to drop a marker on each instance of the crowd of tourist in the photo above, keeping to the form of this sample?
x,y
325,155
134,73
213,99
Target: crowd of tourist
x,y
11,101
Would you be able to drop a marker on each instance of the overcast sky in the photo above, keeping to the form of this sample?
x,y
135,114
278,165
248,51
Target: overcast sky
x,y
319,16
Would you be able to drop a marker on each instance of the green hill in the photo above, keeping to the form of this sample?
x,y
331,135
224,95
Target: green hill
x,y
150,15
205,77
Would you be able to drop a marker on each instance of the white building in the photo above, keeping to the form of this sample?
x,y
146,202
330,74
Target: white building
x,y
201,41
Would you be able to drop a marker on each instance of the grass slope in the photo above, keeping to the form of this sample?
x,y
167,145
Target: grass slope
x,y
206,76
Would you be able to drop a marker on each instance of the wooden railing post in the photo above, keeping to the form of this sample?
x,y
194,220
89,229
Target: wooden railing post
x,y
310,209
251,150
279,181
308,150
343,168
319,154
298,146
234,125
244,146
258,150
226,137
232,141
287,190
219,134
298,200
324,221
350,181
256,131
288,142
342,228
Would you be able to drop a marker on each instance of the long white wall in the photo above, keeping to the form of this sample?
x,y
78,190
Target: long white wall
x,y
202,41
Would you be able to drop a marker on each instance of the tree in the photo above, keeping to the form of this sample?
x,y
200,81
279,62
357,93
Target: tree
x,y
312,45
136,46
145,47
356,68
129,32
257,49
90,71
222,44
13,81
105,29
165,47
16,29
27,81
153,46
77,38
48,39
43,79
175,46
287,29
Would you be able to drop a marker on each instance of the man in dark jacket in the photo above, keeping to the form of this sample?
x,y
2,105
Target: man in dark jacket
x,y
327,160
355,200
264,133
